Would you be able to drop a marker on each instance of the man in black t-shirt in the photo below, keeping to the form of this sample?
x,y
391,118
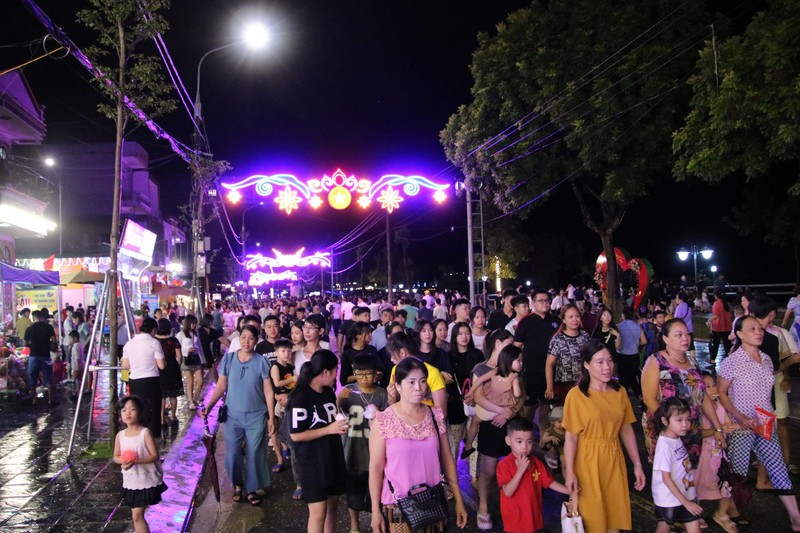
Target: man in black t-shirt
x,y
272,325
501,317
38,337
533,335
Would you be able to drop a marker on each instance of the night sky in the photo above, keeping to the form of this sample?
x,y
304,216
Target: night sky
x,y
366,87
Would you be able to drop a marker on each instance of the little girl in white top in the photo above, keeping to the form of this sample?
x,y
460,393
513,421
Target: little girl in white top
x,y
136,450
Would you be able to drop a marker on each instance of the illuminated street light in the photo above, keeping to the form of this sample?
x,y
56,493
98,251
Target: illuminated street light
x,y
713,269
256,36
694,251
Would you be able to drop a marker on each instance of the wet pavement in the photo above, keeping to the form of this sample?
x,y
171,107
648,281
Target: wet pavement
x,y
40,491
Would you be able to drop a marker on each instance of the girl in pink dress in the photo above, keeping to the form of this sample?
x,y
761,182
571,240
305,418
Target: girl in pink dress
x,y
706,478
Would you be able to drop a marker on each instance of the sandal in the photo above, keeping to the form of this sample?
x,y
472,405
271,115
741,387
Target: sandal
x,y
254,499
278,468
739,520
793,470
725,522
297,495
466,452
237,495
287,455
484,522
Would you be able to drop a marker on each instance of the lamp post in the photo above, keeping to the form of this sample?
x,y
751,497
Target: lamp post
x,y
244,238
50,162
694,251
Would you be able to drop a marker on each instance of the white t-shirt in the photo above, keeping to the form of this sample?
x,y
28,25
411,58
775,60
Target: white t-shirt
x,y
671,456
440,312
374,312
347,310
142,352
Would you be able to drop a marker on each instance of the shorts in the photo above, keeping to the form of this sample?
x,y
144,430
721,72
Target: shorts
x,y
358,491
43,365
672,515
320,494
346,325
781,398
492,440
535,386
337,325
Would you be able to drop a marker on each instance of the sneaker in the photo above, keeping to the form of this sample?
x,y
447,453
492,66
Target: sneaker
x,y
485,522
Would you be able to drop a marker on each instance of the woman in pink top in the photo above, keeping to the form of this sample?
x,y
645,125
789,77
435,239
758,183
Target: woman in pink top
x,y
404,435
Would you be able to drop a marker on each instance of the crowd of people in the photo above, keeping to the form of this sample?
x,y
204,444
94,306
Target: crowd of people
x,y
372,399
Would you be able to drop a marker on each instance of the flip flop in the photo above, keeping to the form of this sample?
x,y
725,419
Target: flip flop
x,y
237,495
254,499
278,468
725,523
297,495
739,520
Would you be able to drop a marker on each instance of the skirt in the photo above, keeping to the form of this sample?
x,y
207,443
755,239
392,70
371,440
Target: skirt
x,y
134,498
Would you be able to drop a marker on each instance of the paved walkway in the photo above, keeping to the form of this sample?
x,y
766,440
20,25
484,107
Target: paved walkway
x,y
40,492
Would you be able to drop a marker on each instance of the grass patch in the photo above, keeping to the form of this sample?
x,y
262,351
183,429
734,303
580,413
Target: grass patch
x,y
98,450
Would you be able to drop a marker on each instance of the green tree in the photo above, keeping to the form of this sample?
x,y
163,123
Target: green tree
x,y
121,25
745,120
745,108
584,93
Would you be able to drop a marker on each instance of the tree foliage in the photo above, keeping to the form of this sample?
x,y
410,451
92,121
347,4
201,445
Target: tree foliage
x,y
122,28
584,93
745,113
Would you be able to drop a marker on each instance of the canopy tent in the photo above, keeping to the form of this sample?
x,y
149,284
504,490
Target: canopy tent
x,y
12,274
82,276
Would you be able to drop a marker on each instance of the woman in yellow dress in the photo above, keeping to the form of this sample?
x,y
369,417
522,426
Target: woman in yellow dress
x,y
597,415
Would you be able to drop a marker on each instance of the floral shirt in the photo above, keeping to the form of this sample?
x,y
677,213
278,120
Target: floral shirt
x,y
567,351
687,385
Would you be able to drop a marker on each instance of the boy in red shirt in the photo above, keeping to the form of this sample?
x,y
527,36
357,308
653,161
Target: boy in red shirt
x,y
522,477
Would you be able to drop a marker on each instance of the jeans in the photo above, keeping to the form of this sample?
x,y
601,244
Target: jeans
x,y
252,427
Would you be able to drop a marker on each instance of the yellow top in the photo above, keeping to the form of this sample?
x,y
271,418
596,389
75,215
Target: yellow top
x,y
435,382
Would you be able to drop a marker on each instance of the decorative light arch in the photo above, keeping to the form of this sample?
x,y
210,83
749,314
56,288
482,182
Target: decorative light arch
x,y
282,261
338,190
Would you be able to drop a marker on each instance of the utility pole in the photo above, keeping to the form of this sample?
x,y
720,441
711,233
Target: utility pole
x,y
388,259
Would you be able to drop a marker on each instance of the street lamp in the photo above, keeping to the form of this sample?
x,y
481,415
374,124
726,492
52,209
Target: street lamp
x,y
705,252
244,237
255,36
50,162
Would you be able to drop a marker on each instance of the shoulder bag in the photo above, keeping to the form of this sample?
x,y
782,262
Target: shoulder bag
x,y
424,505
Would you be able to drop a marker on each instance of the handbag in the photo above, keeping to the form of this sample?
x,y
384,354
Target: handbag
x,y
192,359
571,521
424,505
222,415
725,477
469,410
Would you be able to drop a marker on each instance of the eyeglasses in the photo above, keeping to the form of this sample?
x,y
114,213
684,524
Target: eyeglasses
x,y
309,327
361,375
542,301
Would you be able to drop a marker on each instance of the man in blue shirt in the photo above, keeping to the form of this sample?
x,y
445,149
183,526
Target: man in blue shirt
x,y
631,336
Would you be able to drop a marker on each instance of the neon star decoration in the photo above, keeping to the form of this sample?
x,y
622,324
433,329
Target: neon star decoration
x,y
281,260
337,190
288,200
390,199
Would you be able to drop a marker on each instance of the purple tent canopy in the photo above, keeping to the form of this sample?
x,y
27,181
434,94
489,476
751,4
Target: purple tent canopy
x,y
12,274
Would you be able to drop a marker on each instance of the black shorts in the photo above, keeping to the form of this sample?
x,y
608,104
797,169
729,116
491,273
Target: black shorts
x,y
672,515
535,387
337,325
492,440
358,491
346,325
319,494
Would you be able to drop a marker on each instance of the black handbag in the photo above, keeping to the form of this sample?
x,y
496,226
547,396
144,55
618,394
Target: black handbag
x,y
222,415
424,505
192,359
